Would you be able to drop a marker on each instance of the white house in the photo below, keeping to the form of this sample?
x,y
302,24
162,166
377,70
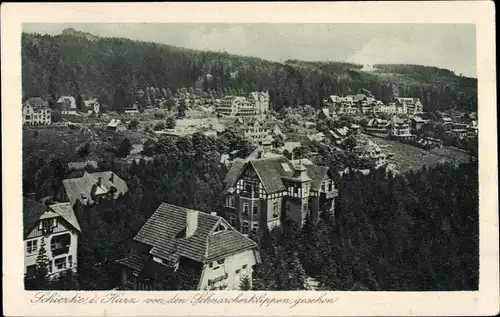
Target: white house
x,y
69,104
92,105
56,226
36,112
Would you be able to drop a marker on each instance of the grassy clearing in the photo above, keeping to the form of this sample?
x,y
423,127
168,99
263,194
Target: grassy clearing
x,y
408,157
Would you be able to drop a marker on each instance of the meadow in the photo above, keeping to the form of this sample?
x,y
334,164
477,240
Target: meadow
x,y
407,157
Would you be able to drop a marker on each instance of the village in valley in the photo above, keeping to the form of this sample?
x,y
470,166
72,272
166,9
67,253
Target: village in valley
x,y
221,189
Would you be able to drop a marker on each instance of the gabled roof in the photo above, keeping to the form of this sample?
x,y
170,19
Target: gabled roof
x,y
164,233
75,187
66,211
32,211
271,172
36,102
135,261
114,123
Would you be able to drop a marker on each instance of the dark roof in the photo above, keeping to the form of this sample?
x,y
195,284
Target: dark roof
x,y
317,174
271,172
75,187
36,102
234,172
165,233
32,211
135,261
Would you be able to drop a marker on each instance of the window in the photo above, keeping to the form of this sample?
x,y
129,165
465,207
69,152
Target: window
x,y
255,226
221,227
230,201
286,167
245,227
50,266
232,220
330,187
60,263
27,117
238,271
255,209
32,246
248,187
211,265
220,261
306,207
245,208
275,209
70,261
244,266
287,206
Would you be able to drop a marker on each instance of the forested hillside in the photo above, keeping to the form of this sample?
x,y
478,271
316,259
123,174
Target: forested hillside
x,y
113,69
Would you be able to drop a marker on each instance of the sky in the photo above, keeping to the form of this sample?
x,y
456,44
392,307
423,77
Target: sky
x,y
450,46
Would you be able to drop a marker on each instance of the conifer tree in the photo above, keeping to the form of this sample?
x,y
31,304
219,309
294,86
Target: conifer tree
x,y
42,267
245,283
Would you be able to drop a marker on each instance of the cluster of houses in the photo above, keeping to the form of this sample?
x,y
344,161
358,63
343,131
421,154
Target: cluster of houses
x,y
212,249
366,104
257,103
57,226
36,111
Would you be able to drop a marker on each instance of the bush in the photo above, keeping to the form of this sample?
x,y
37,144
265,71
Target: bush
x,y
159,126
159,115
170,123
124,148
133,123
55,116
83,149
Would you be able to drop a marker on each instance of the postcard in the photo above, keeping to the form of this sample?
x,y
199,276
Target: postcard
x,y
250,159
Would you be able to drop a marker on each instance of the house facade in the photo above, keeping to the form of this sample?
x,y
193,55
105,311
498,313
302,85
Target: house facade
x,y
378,126
262,192
372,152
201,251
260,101
68,105
36,112
413,105
92,105
400,129
235,106
56,226
253,128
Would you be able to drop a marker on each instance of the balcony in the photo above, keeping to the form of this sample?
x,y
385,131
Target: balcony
x,y
330,194
60,244
246,194
60,250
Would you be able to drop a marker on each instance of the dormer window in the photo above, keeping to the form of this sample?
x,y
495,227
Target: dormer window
x,y
286,167
220,228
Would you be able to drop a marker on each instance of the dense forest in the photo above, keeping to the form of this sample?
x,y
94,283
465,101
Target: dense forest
x,y
114,69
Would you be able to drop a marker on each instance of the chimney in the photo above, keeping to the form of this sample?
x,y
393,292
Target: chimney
x,y
191,222
111,178
99,181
